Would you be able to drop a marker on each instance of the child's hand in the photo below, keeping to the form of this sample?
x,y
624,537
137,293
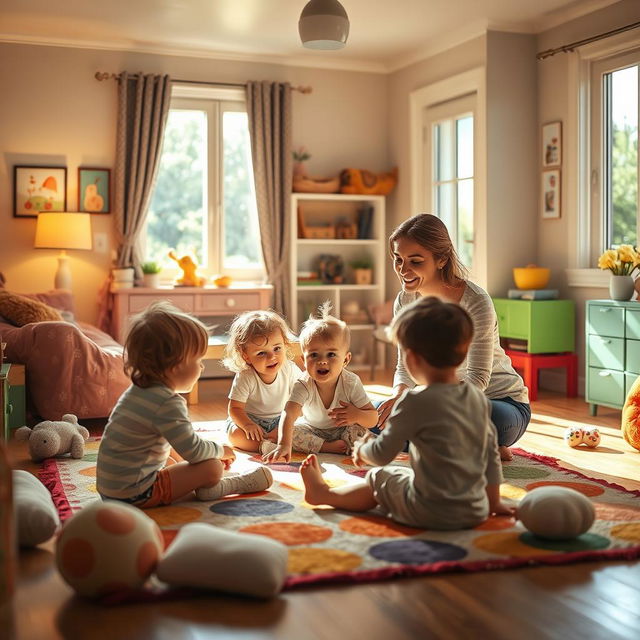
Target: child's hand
x,y
253,431
502,509
345,414
228,457
358,460
281,452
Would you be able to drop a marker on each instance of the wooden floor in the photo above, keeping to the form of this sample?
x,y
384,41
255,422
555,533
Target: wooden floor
x,y
581,601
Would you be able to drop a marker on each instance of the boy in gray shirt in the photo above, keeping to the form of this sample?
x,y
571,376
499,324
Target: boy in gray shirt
x,y
455,474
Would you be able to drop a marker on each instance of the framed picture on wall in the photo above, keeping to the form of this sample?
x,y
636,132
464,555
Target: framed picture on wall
x,y
94,190
550,196
38,189
552,144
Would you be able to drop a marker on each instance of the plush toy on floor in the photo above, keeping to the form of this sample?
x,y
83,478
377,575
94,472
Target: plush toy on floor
x,y
575,436
55,437
556,513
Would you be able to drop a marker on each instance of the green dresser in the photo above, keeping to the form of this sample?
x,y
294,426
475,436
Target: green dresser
x,y
536,326
612,351
12,398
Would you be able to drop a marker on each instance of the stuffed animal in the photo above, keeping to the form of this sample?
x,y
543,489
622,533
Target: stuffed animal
x,y
53,438
575,436
189,276
366,182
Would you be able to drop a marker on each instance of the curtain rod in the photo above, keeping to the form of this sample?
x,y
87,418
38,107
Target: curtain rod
x,y
601,36
104,75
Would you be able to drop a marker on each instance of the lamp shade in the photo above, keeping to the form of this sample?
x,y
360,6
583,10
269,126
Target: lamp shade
x,y
63,231
323,24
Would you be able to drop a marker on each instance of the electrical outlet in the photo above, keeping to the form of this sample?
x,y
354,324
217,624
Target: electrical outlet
x,y
100,242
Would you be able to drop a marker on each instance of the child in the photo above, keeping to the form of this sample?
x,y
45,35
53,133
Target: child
x,y
328,407
259,352
164,351
455,474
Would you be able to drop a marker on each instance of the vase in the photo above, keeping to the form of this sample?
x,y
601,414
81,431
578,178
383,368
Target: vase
x,y
621,287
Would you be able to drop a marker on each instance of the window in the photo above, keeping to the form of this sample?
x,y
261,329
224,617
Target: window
x,y
449,153
204,201
614,157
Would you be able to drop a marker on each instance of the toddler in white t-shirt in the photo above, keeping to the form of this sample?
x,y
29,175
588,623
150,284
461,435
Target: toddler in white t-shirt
x,y
259,351
328,408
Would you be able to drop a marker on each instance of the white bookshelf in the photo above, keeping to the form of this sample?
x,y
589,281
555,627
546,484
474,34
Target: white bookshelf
x,y
319,209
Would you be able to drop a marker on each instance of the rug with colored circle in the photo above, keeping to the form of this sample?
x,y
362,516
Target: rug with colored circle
x,y
327,545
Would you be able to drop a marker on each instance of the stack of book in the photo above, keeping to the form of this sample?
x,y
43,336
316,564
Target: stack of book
x,y
365,222
533,294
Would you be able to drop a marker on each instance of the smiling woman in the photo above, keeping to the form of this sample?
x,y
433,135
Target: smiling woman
x,y
426,264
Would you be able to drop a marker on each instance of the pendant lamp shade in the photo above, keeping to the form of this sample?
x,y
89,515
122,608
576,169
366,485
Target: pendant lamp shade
x,y
323,24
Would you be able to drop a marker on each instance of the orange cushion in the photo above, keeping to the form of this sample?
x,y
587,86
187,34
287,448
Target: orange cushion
x,y
631,416
21,310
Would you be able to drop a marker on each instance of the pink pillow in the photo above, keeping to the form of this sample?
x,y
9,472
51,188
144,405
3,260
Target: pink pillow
x,y
60,299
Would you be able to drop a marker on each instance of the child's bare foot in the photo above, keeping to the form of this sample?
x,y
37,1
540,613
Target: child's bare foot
x,y
316,490
505,453
335,446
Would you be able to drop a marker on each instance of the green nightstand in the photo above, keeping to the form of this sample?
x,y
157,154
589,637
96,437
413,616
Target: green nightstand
x,y
536,326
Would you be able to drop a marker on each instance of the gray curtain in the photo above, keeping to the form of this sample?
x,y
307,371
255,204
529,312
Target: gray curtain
x,y
143,107
269,110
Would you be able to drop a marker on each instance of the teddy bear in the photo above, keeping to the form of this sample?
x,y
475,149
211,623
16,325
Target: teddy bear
x,y
52,438
189,276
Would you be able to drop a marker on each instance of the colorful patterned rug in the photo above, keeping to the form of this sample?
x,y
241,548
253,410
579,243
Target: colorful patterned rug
x,y
326,545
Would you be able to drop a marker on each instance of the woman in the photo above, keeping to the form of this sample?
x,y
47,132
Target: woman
x,y
427,265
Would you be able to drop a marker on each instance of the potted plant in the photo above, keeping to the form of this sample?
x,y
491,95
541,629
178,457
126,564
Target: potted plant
x,y
151,274
362,270
300,156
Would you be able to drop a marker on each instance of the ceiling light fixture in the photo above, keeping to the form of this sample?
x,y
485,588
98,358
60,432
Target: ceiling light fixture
x,y
323,24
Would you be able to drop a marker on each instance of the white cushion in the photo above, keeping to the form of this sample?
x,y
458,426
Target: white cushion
x,y
201,555
36,516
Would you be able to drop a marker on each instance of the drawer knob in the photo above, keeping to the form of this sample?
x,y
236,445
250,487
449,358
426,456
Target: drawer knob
x,y
230,302
604,374
605,309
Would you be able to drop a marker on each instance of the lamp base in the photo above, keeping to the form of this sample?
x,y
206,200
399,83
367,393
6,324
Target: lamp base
x,y
63,274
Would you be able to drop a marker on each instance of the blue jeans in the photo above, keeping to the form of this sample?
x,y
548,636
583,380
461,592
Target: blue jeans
x,y
511,419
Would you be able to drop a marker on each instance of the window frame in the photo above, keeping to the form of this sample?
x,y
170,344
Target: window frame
x,y
214,101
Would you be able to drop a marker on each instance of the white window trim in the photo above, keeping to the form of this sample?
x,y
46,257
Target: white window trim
x,y
472,81
578,172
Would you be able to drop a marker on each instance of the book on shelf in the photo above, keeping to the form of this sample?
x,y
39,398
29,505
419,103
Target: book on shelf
x,y
533,294
365,222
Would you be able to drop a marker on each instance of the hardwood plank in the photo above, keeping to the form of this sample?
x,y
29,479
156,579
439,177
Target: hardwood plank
x,y
587,600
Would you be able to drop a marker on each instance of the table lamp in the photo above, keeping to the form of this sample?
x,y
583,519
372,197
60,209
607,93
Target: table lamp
x,y
63,231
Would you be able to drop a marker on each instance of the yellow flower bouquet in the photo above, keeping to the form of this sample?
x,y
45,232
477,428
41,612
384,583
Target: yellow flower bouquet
x,y
622,261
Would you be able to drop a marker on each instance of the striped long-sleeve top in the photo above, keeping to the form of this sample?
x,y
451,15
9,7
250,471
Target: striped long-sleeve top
x,y
137,440
486,366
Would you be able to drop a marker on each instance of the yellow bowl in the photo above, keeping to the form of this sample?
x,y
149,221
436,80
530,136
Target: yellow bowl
x,y
531,277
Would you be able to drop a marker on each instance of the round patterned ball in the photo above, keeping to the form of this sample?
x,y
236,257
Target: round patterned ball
x,y
108,547
591,437
631,416
573,436
556,513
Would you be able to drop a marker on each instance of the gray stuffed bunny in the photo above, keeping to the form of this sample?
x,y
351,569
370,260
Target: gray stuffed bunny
x,y
53,438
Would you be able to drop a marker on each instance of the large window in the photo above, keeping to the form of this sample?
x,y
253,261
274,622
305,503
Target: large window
x,y
614,159
204,202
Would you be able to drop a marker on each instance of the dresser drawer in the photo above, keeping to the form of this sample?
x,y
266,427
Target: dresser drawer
x,y
632,356
606,387
229,302
140,302
606,321
632,321
605,353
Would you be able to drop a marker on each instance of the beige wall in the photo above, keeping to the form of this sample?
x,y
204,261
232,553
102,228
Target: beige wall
x,y
557,238
53,112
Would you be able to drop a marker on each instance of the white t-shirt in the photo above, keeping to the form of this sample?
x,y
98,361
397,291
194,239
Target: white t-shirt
x,y
349,389
261,399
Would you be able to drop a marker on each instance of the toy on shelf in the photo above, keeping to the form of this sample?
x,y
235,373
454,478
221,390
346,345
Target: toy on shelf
x,y
108,547
189,276
221,281
331,268
556,513
53,438
575,436
361,181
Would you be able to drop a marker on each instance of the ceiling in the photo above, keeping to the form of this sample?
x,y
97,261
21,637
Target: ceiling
x,y
385,34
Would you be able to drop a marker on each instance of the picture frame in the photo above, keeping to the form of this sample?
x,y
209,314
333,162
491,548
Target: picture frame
x,y
37,189
552,144
551,196
94,190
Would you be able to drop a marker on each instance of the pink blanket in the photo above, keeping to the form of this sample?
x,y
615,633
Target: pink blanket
x,y
70,368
